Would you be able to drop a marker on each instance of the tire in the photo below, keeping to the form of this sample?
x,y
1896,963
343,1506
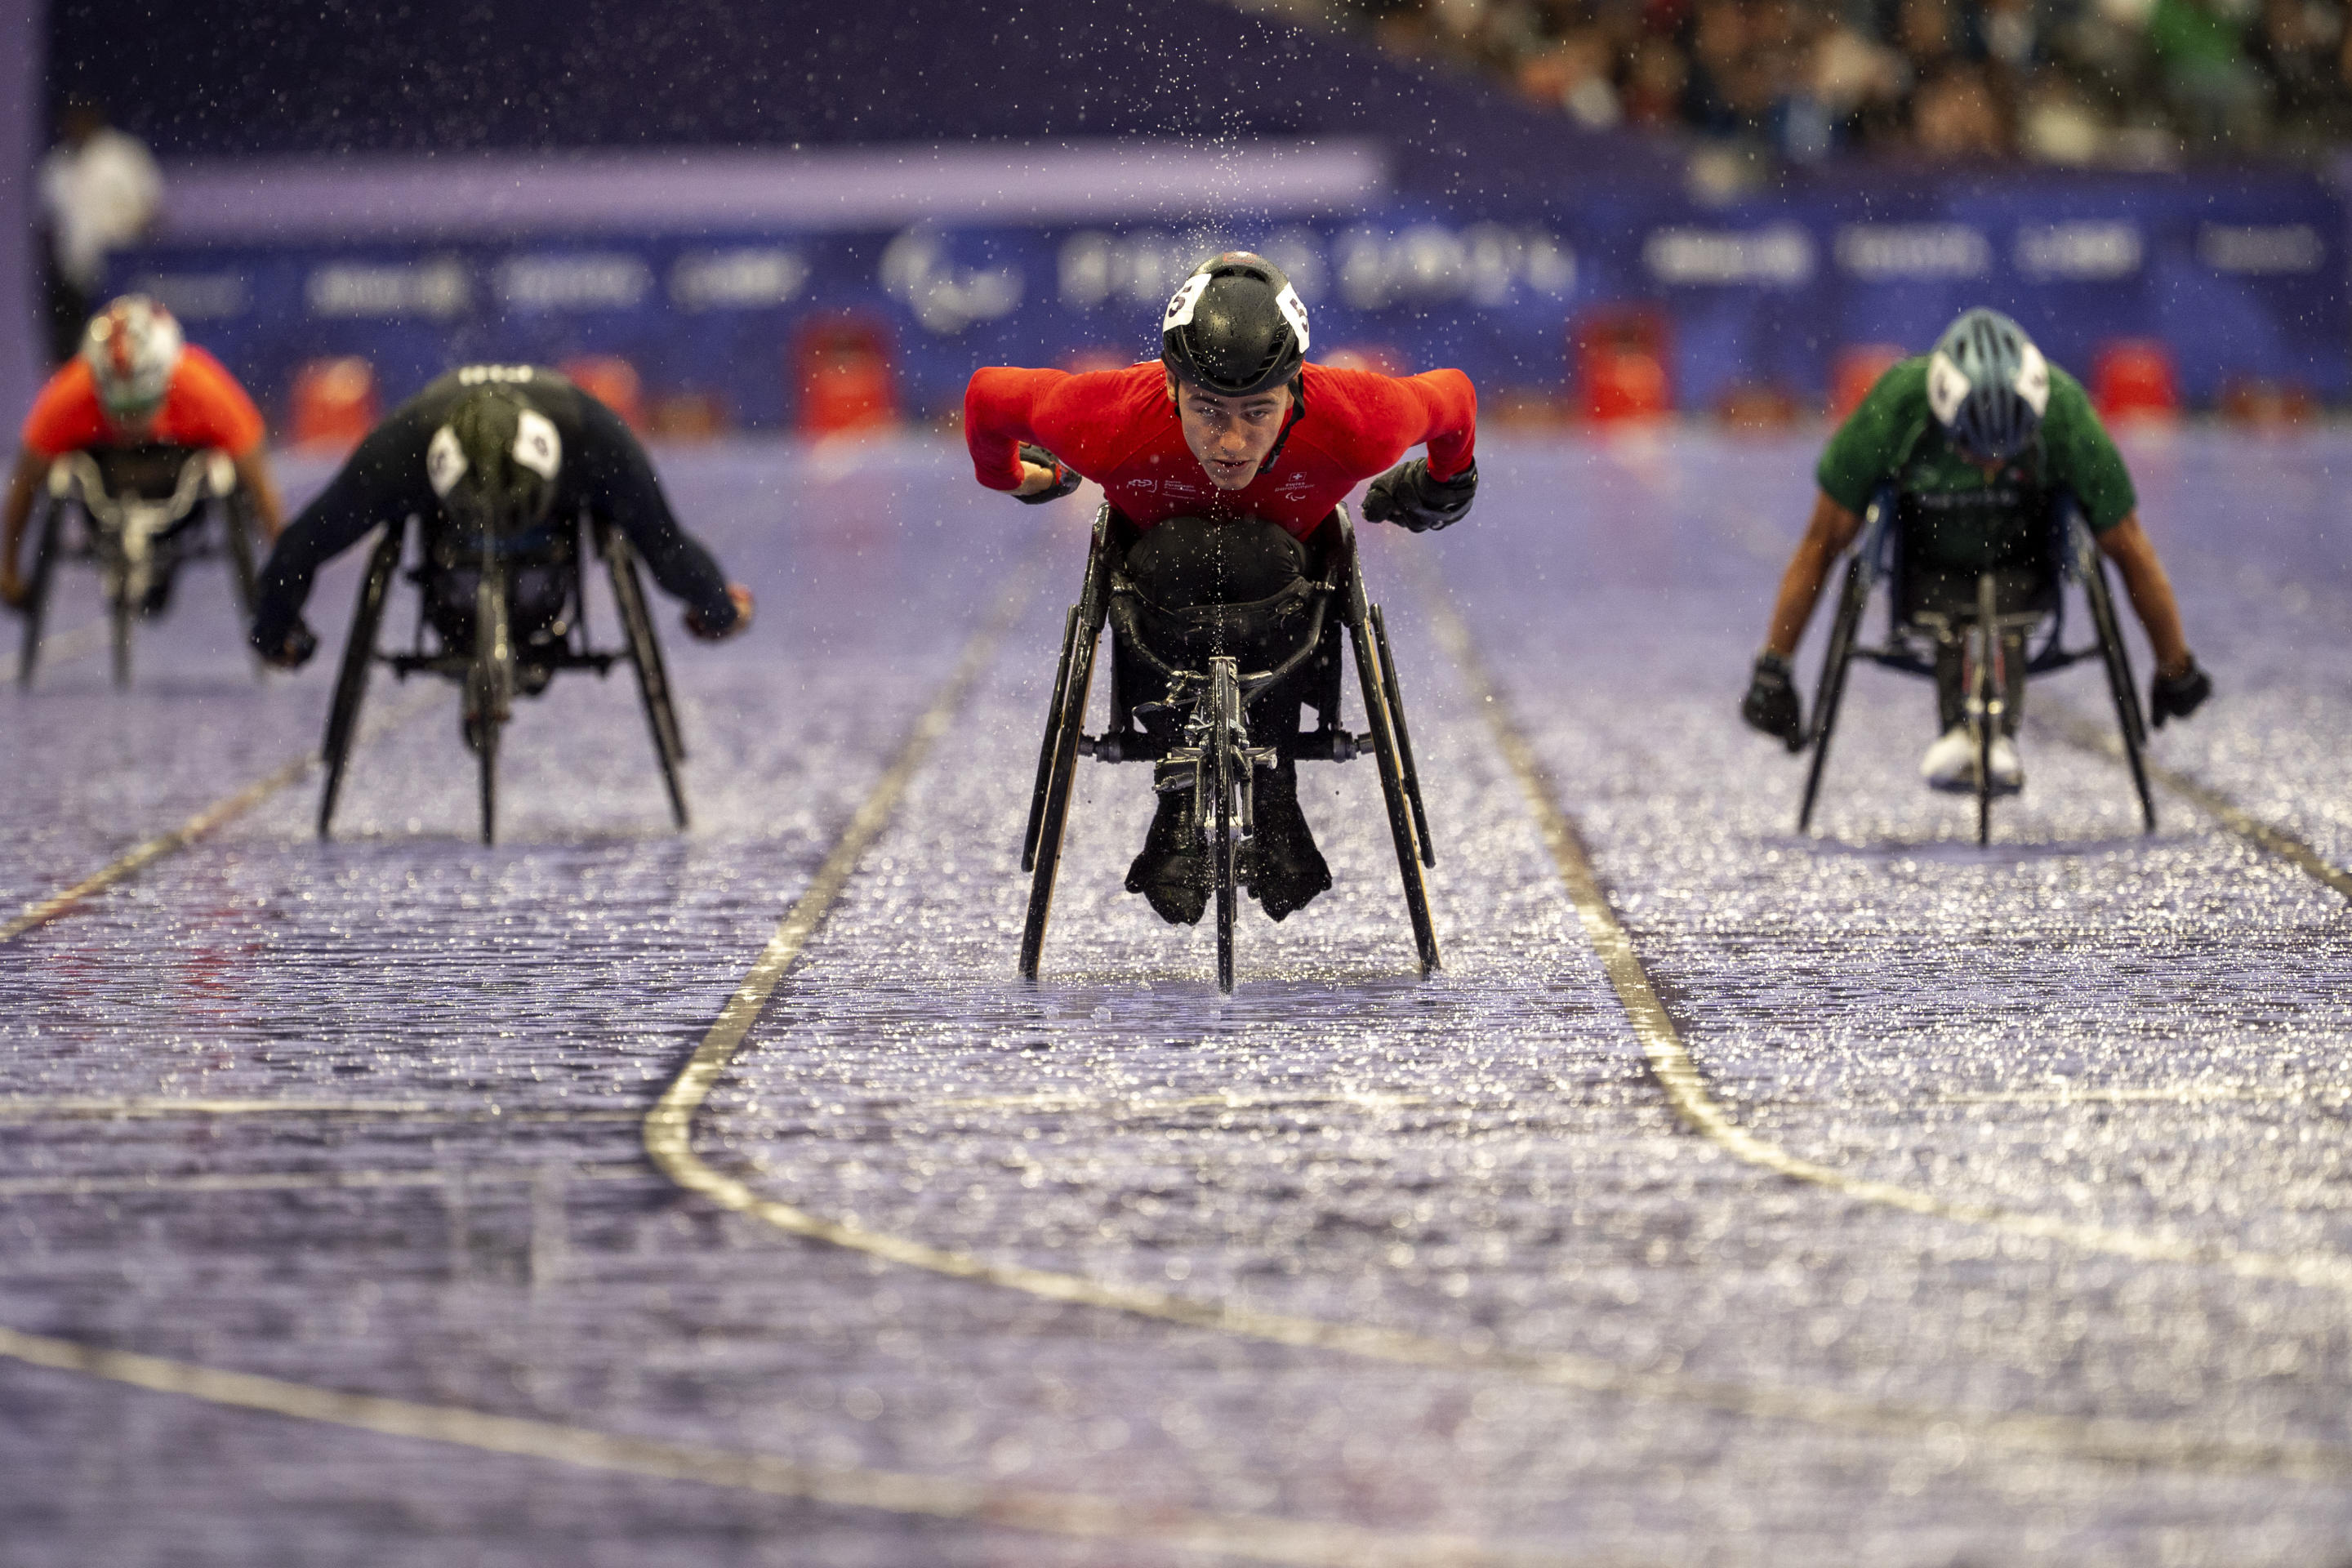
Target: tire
x,y
490,687
1054,807
1403,736
1057,759
36,591
122,610
1045,746
1985,700
237,525
1226,703
653,675
351,678
1372,677
1829,694
2130,719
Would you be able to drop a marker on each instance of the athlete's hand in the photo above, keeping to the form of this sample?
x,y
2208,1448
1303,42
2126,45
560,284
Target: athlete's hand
x,y
14,591
1044,477
289,651
2178,696
1408,497
737,594
1770,704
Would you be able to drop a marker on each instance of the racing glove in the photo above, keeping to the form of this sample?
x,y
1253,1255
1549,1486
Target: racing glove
x,y
707,630
1409,498
1065,478
2178,696
288,650
1770,704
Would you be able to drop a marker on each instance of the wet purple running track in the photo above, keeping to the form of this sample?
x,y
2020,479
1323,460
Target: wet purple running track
x,y
2020,1237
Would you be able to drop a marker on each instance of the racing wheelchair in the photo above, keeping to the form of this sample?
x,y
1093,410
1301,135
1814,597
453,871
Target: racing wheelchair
x,y
2006,621
1208,748
501,617
142,511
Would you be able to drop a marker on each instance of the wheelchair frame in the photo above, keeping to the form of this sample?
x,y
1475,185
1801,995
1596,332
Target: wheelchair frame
x,y
122,521
1874,561
488,671
1214,743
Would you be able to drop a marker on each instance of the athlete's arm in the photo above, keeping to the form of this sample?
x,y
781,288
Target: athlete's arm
x,y
999,417
24,483
382,482
621,478
254,476
1831,529
2127,545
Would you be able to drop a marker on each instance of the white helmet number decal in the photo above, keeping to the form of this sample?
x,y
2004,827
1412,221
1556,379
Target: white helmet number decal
x,y
1948,388
1294,312
536,445
1187,300
445,461
2033,380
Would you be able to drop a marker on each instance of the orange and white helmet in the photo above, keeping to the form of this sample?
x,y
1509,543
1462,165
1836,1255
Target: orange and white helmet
x,y
131,348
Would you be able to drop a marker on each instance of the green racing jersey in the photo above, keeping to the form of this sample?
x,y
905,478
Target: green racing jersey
x,y
1954,515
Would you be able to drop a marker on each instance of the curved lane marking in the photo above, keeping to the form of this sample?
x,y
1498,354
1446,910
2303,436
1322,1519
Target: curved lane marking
x,y
668,1140
1252,1538
1687,1090
2083,734
58,648
213,816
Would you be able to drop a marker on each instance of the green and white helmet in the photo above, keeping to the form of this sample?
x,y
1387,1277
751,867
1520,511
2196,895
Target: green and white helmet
x,y
1989,385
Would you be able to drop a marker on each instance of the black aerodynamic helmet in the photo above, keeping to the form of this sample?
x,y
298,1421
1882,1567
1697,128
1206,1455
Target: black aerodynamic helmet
x,y
1236,328
1988,385
494,461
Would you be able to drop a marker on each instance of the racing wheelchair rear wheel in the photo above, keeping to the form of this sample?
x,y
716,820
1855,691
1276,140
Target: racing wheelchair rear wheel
x,y
1830,693
1382,712
36,590
2130,719
646,658
359,657
1058,757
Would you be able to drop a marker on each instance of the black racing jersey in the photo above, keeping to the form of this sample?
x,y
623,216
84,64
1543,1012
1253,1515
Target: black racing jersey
x,y
604,475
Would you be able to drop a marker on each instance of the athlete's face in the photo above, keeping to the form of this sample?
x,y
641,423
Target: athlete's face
x,y
1231,435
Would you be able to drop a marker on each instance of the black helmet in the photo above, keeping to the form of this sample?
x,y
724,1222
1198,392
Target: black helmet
x,y
494,461
1236,328
1988,385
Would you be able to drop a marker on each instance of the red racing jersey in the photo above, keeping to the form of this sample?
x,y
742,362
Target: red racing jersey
x,y
204,406
1119,428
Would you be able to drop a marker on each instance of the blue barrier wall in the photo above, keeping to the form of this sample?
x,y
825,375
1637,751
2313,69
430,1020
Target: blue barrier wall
x,y
2242,277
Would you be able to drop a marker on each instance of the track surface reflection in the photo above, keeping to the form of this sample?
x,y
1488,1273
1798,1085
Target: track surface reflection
x,y
365,1116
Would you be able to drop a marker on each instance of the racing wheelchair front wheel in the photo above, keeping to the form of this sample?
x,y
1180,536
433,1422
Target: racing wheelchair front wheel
x,y
489,687
350,679
1225,705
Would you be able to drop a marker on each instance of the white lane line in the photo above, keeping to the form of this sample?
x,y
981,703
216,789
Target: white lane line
x,y
307,1181
668,1137
1252,1538
203,823
1687,1090
36,1108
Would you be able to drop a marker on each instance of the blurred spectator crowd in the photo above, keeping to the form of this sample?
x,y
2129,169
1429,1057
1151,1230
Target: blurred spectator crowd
x,y
2132,83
